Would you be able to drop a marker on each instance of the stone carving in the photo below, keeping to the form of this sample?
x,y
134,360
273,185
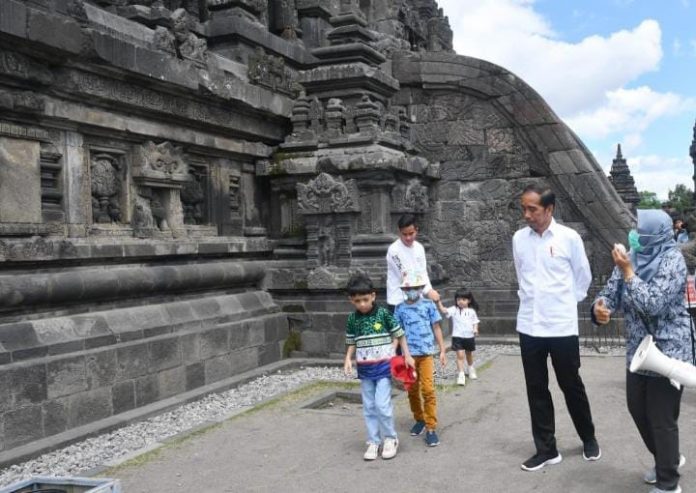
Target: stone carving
x,y
301,121
416,198
25,101
334,118
326,194
36,248
270,71
234,193
368,115
188,45
193,197
161,164
106,176
23,67
51,189
326,244
284,20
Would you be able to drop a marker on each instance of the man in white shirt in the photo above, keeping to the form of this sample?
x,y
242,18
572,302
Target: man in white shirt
x,y
553,275
404,255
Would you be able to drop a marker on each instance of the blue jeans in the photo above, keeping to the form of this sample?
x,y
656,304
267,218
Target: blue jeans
x,y
377,409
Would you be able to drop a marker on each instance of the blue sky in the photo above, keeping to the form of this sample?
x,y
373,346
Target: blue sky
x,y
616,71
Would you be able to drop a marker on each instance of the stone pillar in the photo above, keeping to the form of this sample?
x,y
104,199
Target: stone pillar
x,y
77,189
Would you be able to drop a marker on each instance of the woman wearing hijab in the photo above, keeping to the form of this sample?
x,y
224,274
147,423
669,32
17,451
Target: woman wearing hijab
x,y
648,285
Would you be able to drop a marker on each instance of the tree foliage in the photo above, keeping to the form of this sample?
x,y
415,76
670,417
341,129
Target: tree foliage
x,y
681,198
648,200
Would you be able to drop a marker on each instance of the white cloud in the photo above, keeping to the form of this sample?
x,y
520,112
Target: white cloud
x,y
657,173
570,76
628,112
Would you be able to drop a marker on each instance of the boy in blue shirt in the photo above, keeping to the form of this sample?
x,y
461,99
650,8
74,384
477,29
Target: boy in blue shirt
x,y
421,322
371,334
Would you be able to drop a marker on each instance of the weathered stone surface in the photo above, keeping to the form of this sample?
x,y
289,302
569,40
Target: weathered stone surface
x,y
23,425
20,191
66,376
89,406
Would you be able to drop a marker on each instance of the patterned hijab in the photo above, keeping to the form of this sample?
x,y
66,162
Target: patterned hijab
x,y
656,237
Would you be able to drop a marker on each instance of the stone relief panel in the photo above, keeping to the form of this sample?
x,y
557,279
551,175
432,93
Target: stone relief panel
x,y
107,173
51,184
327,194
270,71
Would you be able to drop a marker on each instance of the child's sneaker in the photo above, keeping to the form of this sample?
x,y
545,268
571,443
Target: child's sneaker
x,y
418,428
461,379
472,373
431,439
371,452
389,448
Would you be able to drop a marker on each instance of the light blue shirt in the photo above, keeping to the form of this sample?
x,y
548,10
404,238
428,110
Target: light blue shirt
x,y
417,320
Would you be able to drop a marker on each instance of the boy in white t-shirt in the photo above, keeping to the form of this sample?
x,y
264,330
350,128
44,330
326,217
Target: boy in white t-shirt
x,y
465,328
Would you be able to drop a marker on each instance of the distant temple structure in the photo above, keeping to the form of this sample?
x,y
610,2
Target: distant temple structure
x,y
186,186
620,177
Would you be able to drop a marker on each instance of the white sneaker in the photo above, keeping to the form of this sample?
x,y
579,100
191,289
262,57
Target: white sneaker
x,y
461,379
390,447
472,373
650,477
371,452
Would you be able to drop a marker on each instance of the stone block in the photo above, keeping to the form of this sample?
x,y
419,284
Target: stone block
x,y
101,368
214,342
190,348
339,321
257,332
100,341
269,353
123,396
132,361
66,347
239,335
90,406
20,181
165,353
13,18
55,416
19,335
217,368
171,382
28,385
195,376
244,360
313,342
146,390
335,342
58,31
23,425
66,376
5,395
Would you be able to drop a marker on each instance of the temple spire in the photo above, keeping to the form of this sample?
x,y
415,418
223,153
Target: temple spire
x,y
620,177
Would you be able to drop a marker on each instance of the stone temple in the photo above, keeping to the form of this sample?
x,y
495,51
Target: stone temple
x,y
185,186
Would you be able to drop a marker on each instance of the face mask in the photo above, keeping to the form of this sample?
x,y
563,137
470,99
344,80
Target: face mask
x,y
634,241
412,294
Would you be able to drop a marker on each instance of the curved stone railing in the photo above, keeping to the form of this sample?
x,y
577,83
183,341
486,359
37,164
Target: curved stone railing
x,y
124,282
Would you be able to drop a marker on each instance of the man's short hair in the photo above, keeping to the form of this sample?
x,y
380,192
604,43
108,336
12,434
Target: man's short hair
x,y
546,195
407,220
359,284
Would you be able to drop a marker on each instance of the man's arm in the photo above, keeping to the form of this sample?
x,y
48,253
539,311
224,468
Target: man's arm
x,y
582,274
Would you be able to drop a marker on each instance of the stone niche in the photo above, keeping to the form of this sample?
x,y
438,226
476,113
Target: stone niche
x,y
20,183
159,175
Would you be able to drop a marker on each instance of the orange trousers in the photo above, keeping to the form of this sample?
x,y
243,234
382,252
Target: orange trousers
x,y
421,395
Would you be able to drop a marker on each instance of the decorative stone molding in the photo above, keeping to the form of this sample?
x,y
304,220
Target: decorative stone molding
x,y
328,195
188,45
160,165
193,196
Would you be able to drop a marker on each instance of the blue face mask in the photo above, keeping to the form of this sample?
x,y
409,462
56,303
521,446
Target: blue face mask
x,y
412,294
634,241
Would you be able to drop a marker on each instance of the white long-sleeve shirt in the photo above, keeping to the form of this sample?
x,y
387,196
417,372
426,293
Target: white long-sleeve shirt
x,y
553,275
401,259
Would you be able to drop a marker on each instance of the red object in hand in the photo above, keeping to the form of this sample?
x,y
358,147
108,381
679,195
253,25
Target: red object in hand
x,y
402,373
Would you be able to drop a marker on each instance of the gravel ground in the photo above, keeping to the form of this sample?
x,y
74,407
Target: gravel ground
x,y
111,447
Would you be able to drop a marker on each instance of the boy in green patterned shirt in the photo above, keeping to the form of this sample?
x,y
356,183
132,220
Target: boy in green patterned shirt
x,y
372,334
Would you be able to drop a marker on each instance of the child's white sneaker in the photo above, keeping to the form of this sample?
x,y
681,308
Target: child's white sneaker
x,y
472,373
461,379
389,448
371,452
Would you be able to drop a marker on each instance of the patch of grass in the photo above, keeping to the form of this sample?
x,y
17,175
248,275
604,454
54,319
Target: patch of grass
x,y
292,343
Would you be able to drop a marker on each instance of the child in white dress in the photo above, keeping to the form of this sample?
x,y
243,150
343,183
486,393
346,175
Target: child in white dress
x,y
465,328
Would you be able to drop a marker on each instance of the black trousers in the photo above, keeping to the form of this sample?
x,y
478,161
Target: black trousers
x,y
654,406
565,358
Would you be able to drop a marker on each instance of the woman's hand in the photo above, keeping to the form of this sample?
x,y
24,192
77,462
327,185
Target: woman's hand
x,y
623,262
601,311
